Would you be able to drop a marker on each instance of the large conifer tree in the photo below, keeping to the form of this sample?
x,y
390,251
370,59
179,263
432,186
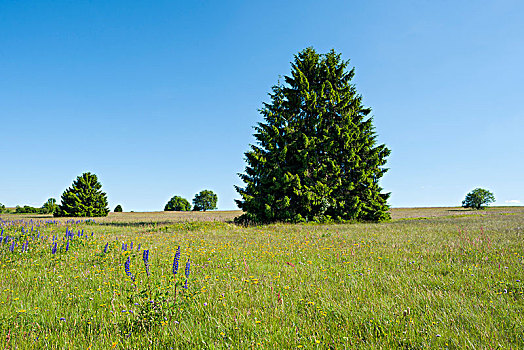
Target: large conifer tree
x,y
84,198
316,157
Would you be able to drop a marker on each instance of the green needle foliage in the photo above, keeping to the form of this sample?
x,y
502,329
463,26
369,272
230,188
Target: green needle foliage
x,y
316,157
205,200
477,198
84,198
177,203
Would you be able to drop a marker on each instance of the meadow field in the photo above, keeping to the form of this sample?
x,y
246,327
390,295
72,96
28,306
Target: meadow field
x,y
443,278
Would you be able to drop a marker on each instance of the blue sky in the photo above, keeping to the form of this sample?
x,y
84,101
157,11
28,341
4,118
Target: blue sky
x,y
159,98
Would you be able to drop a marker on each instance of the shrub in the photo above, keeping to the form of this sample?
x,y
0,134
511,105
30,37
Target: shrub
x,y
27,209
177,203
118,209
50,207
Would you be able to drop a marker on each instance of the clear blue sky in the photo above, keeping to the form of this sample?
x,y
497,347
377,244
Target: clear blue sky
x,y
158,98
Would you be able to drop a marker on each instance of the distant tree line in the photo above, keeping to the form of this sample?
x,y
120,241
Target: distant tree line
x,y
85,198
49,207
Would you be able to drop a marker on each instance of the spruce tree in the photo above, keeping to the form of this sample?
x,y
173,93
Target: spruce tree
x,y
316,157
84,198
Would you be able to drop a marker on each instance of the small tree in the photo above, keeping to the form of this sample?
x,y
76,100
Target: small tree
x,y
84,198
177,203
477,198
50,206
118,209
2,208
205,200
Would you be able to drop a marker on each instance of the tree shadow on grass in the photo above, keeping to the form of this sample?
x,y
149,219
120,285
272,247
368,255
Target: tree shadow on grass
x,y
463,210
137,223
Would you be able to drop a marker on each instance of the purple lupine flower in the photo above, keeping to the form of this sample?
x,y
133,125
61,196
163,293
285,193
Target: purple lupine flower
x,y
53,251
67,246
105,248
131,246
145,257
175,261
139,244
188,266
12,248
123,246
127,268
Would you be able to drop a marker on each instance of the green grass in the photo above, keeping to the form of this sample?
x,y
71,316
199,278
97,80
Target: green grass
x,y
449,279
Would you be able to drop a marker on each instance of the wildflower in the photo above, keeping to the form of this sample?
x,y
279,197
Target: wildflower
x,y
12,248
131,246
145,257
105,248
175,261
127,268
62,319
188,266
67,246
139,244
53,250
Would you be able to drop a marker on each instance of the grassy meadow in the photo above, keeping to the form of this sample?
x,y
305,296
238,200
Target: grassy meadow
x,y
444,278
